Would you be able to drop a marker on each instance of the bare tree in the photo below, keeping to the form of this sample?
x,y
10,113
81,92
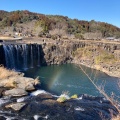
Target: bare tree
x,y
101,90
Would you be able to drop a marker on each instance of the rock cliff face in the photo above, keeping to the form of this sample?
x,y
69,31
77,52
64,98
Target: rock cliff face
x,y
2,55
57,54
67,47
62,52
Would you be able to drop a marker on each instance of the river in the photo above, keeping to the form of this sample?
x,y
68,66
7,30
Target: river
x,y
69,77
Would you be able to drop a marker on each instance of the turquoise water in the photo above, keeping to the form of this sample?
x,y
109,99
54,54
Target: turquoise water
x,y
69,77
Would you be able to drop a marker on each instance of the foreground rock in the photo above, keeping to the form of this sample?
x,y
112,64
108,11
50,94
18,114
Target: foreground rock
x,y
19,82
16,106
16,92
45,106
15,84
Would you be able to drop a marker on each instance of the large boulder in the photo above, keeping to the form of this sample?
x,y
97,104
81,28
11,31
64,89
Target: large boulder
x,y
15,92
16,106
19,82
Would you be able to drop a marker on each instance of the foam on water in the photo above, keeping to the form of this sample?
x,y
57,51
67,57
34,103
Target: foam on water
x,y
13,118
80,98
64,95
38,92
79,108
9,118
56,96
2,101
36,117
22,99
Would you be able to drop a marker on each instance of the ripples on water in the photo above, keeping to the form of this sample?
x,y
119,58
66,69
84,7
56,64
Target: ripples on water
x,y
69,77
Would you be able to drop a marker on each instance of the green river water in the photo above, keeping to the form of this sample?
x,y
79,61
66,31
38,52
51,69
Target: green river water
x,y
69,77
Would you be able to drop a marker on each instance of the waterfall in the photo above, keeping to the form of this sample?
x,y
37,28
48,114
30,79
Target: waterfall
x,y
17,47
25,50
12,57
21,56
38,55
9,56
6,56
31,56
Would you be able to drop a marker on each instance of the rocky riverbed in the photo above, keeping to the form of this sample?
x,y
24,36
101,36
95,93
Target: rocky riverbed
x,y
21,100
45,106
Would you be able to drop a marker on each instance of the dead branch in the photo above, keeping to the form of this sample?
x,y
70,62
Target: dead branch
x,y
101,91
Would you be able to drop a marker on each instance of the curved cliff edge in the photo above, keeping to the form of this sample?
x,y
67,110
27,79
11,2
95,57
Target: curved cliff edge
x,y
19,99
86,53
71,52
110,70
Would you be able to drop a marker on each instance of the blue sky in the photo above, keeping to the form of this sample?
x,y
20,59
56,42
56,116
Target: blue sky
x,y
99,10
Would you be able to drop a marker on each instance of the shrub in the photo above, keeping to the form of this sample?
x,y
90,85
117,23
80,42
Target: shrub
x,y
62,99
4,73
79,36
54,37
83,52
74,96
105,57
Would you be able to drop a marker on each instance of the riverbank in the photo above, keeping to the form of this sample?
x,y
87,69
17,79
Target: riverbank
x,y
99,59
110,73
101,68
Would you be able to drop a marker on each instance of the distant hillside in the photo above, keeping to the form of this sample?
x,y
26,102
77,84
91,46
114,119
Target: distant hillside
x,y
29,23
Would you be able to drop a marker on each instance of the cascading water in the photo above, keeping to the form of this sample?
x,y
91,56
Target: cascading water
x,y
17,47
25,51
9,56
38,56
31,56
22,56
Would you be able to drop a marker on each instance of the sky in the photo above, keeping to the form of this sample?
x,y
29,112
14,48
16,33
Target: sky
x,y
98,10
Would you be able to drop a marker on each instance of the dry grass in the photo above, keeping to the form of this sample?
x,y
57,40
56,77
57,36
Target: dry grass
x,y
97,54
4,73
85,52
